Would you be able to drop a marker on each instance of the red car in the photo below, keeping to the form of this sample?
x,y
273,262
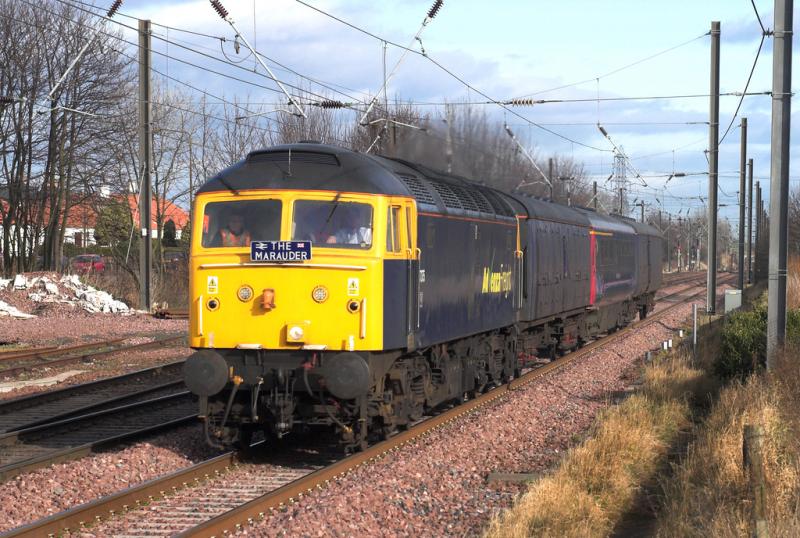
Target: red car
x,y
88,263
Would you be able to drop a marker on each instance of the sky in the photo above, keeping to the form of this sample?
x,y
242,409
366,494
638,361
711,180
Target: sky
x,y
511,49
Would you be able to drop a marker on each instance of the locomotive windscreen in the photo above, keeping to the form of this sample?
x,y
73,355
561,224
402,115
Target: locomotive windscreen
x,y
334,224
236,224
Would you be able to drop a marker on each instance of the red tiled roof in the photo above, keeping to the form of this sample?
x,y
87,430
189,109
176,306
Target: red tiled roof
x,y
168,209
84,214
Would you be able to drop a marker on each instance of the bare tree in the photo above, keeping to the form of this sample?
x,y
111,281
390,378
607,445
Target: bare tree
x,y
55,143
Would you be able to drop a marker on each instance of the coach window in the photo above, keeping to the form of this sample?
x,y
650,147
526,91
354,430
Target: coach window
x,y
236,224
393,229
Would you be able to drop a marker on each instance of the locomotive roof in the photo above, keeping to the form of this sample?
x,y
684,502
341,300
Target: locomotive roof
x,y
307,166
314,166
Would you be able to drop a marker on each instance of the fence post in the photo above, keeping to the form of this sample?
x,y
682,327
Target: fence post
x,y
751,456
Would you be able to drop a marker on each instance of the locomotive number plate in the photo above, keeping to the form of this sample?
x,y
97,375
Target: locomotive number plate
x,y
280,251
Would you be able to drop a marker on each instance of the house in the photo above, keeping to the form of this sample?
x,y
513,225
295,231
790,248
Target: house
x,y
169,210
81,219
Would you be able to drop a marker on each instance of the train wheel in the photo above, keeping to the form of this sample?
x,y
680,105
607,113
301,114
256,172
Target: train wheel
x,y
385,431
245,438
272,443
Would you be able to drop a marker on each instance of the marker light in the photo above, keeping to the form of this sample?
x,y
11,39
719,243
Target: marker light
x,y
295,333
320,294
245,293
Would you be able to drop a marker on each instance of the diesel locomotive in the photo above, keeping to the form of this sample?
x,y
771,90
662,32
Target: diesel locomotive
x,y
339,290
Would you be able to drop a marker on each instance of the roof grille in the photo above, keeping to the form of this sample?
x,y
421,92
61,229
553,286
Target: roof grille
x,y
484,206
449,198
307,157
418,189
465,197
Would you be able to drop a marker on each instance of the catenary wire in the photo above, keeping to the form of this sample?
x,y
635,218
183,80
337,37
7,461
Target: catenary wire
x,y
615,71
188,45
456,77
200,53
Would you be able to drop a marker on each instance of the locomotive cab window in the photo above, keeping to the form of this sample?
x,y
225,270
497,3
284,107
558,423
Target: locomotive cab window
x,y
333,224
236,224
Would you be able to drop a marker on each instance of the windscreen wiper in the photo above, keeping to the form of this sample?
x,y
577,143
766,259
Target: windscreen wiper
x,y
227,185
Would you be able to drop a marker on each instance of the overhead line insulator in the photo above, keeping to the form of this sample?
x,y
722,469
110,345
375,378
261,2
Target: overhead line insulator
x,y
524,102
219,8
113,9
435,8
330,103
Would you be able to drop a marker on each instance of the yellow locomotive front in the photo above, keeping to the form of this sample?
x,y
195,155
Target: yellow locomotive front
x,y
287,306
288,299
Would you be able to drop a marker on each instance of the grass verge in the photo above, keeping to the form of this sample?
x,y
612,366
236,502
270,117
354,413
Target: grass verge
x,y
709,494
596,482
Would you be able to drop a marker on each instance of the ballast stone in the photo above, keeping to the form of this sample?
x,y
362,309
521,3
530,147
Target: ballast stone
x,y
9,310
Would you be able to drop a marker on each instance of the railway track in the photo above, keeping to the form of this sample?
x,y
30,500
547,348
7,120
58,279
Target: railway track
x,y
54,405
31,360
672,279
71,438
220,489
11,352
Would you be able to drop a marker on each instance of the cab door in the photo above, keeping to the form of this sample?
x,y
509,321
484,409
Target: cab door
x,y
414,272
401,276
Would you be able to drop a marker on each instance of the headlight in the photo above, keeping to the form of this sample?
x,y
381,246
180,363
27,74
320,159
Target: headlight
x,y
245,293
295,333
320,294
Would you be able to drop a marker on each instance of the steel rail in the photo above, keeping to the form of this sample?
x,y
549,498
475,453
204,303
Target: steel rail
x,y
171,314
39,404
45,449
257,508
42,353
86,514
6,353
89,356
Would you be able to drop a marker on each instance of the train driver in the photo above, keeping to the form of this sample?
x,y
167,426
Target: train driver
x,y
351,229
234,234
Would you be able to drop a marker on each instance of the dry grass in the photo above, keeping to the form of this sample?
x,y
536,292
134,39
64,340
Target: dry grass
x,y
709,494
793,294
170,287
597,481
